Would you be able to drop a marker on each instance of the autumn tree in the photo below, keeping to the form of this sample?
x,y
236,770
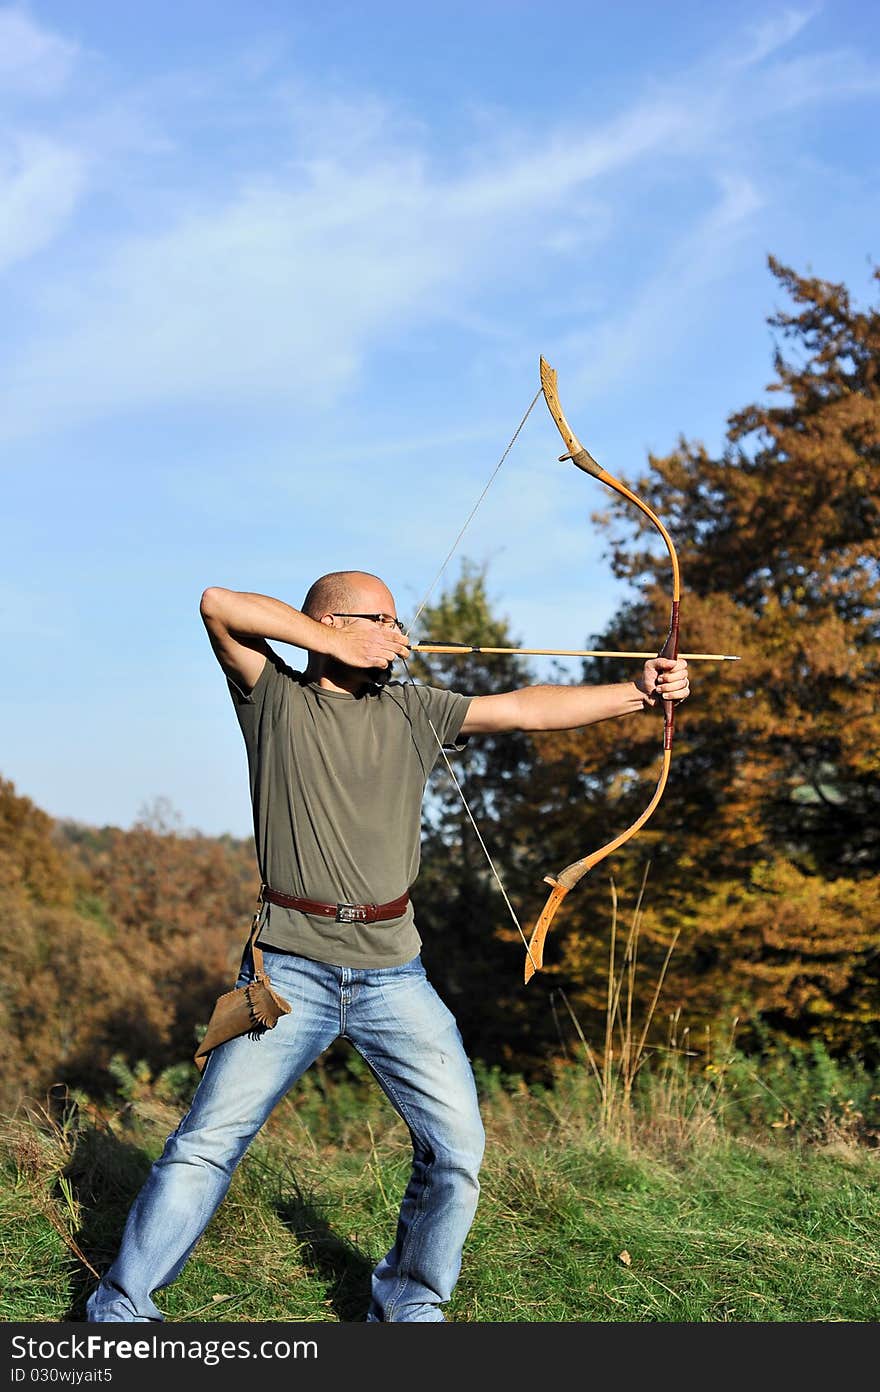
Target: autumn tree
x,y
119,943
766,850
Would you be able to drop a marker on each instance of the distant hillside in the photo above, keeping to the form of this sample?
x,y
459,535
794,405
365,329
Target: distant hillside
x,y
118,942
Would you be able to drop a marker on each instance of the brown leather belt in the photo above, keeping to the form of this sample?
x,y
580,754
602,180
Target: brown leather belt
x,y
343,913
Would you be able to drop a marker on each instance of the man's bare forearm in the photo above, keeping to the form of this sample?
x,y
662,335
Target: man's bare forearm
x,y
247,615
569,707
535,708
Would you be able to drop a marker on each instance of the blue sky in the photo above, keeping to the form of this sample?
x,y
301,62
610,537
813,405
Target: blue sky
x,y
276,280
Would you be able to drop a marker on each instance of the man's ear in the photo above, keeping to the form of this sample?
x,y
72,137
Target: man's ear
x,y
328,619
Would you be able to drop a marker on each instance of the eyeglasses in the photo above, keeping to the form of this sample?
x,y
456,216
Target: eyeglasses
x,y
386,620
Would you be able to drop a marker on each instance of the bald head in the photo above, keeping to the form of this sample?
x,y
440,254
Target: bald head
x,y
348,592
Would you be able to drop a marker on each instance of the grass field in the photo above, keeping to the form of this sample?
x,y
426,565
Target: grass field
x,y
742,1194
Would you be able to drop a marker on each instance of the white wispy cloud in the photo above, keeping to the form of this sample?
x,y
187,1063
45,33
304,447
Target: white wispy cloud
x,y
40,185
772,33
283,287
34,61
279,284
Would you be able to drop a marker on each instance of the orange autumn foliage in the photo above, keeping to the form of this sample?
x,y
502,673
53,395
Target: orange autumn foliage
x,y
117,943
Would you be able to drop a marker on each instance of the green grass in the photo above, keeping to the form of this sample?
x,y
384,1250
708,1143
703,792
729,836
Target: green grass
x,y
681,1209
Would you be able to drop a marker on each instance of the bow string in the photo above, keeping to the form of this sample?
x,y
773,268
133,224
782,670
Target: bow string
x,y
567,878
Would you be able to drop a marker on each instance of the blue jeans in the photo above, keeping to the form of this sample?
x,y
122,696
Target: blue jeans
x,y
400,1026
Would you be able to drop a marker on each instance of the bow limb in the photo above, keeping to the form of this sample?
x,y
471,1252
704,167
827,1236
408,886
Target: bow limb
x,y
569,877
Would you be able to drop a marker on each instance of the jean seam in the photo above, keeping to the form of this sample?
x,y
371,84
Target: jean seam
x,y
426,1187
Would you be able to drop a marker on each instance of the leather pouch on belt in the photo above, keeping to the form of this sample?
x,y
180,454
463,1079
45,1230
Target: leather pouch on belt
x,y
250,1009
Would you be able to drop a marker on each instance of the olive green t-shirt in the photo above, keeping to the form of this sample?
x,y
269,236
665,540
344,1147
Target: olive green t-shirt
x,y
336,784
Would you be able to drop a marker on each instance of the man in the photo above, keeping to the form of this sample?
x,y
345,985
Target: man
x,y
338,760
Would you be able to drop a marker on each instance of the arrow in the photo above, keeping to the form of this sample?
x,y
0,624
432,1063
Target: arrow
x,y
461,649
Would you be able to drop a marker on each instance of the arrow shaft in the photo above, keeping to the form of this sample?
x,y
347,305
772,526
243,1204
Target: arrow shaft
x,y
462,650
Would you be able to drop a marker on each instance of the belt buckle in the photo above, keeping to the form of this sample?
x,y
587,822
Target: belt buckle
x,y
350,913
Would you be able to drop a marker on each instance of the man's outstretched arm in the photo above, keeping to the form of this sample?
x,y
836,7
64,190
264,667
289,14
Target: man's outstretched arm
x,y
533,708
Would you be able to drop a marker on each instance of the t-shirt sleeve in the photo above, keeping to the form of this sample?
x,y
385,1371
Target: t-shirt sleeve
x,y
261,704
454,707
442,709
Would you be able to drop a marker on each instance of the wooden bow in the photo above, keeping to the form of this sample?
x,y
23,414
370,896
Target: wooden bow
x,y
569,877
